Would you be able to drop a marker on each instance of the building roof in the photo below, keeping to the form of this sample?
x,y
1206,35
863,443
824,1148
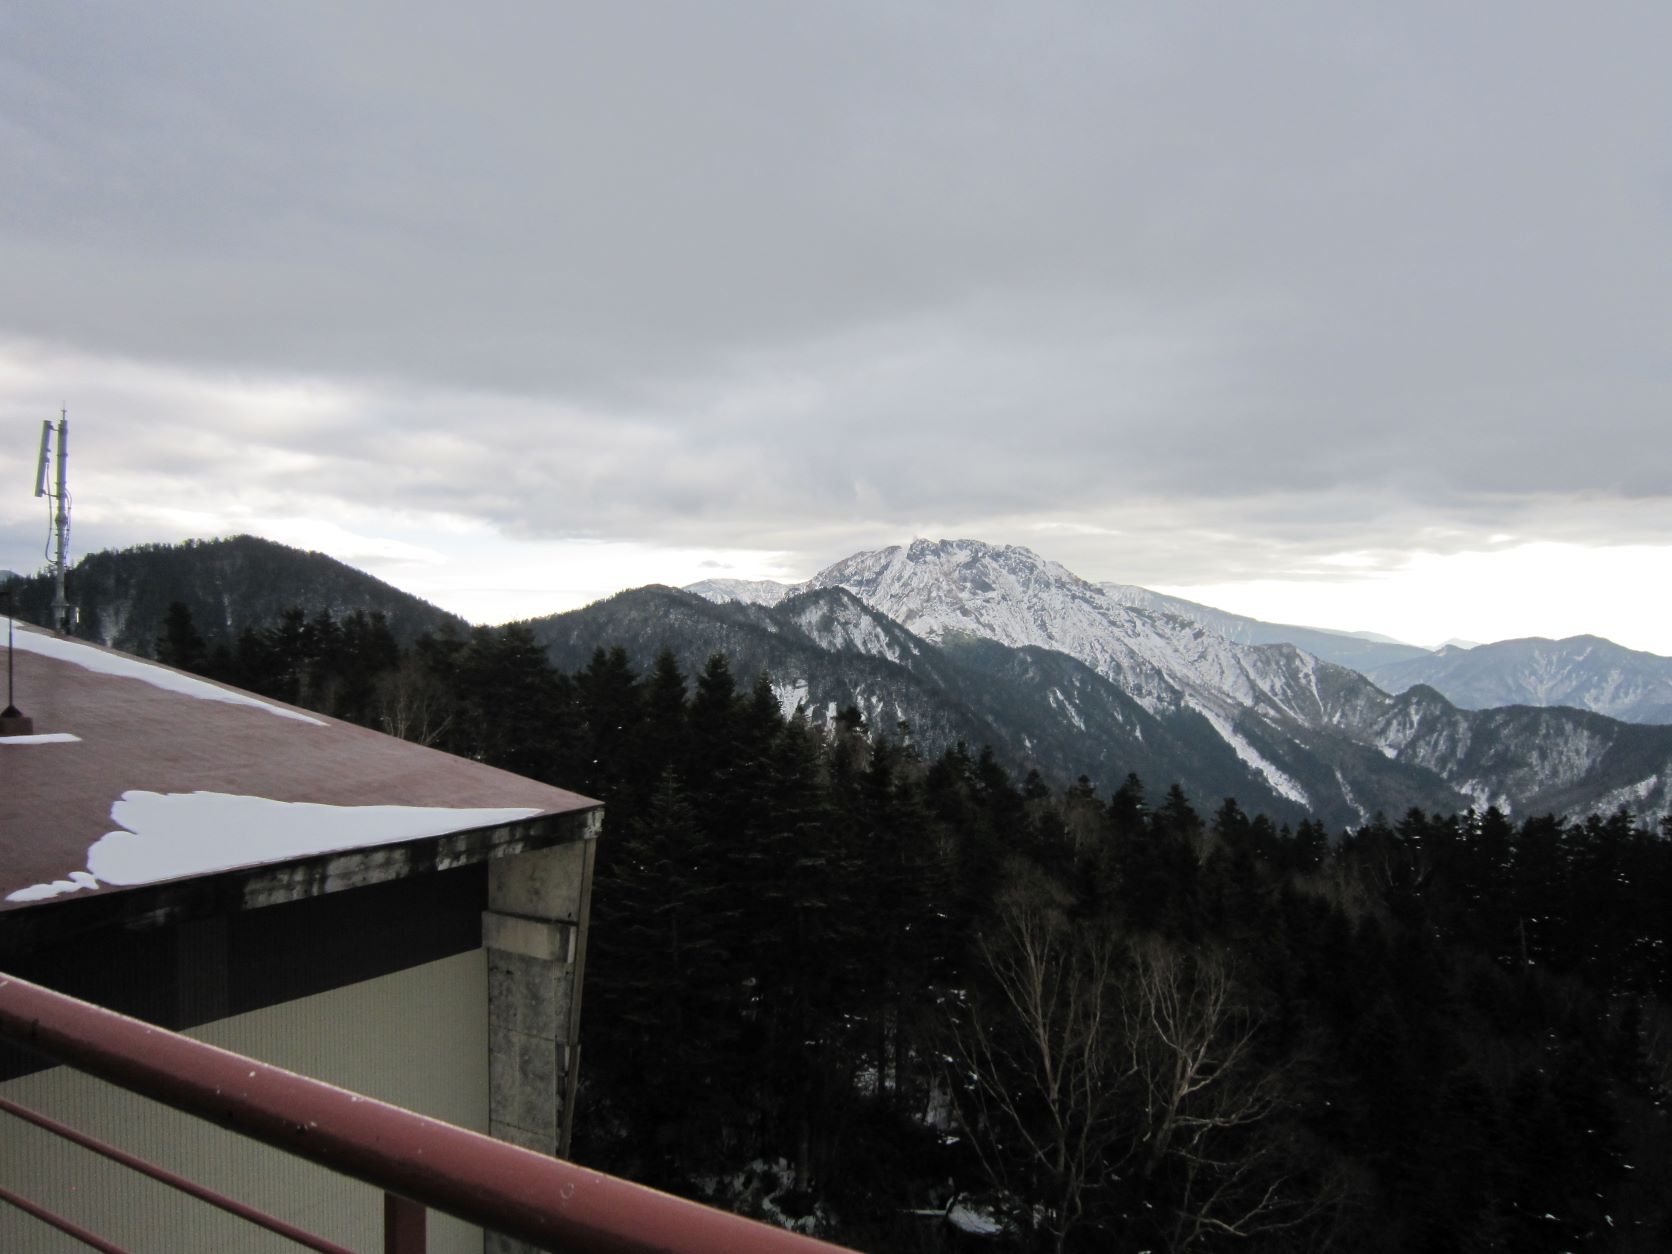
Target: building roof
x,y
138,775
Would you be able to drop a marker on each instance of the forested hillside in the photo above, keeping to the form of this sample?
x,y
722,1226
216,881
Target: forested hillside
x,y
919,1003
227,585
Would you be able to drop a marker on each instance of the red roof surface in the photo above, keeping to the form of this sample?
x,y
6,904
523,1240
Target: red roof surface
x,y
56,798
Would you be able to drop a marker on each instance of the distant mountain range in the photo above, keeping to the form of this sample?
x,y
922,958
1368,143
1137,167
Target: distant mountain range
x,y
1310,732
960,640
1584,671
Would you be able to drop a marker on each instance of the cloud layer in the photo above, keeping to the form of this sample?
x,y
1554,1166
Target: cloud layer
x,y
1178,297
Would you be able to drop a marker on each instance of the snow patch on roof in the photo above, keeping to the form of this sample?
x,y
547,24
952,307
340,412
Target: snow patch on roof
x,y
42,738
89,658
38,892
166,836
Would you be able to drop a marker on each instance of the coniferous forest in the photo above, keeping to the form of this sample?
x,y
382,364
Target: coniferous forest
x,y
933,1003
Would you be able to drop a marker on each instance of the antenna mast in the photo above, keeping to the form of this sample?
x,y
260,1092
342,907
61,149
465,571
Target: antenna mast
x,y
63,614
13,721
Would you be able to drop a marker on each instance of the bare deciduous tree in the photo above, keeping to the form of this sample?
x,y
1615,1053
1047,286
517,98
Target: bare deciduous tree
x,y
1040,1068
1098,1066
1206,1105
412,703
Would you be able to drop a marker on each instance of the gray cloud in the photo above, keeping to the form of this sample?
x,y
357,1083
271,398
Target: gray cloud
x,y
1241,287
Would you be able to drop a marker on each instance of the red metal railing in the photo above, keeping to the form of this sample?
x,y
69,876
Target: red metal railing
x,y
174,1181
549,1203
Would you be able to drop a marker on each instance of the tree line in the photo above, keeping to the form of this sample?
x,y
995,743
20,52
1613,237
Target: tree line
x,y
849,986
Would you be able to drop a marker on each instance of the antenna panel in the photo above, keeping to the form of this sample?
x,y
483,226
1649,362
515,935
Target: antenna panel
x,y
46,456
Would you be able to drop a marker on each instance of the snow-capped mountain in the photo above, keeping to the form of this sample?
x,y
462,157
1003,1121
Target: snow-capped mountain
x,y
1319,735
963,588
952,588
1359,650
1584,671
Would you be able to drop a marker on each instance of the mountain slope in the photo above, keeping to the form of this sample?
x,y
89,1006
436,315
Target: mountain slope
x,y
1583,671
228,585
1358,651
826,649
836,655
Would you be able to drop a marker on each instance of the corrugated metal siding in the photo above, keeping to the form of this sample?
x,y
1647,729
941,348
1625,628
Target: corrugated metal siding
x,y
418,1038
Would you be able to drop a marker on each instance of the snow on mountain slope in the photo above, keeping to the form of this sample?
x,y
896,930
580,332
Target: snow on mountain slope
x,y
1156,647
1360,650
840,622
951,588
748,591
941,589
1274,775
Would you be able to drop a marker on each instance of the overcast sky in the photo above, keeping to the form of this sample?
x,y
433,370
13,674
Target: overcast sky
x,y
1352,315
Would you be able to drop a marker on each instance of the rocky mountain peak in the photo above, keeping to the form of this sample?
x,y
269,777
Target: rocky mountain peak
x,y
941,588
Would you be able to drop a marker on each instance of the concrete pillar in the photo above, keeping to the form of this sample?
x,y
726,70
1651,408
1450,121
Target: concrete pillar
x,y
535,935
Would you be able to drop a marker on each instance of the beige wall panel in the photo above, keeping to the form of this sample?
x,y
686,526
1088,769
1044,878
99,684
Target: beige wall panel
x,y
418,1038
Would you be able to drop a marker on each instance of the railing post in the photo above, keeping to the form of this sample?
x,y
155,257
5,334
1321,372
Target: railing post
x,y
403,1225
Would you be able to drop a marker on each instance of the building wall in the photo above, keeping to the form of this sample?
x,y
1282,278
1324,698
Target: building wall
x,y
417,1038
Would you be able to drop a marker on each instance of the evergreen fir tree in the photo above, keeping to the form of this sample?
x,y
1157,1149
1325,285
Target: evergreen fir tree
x,y
180,645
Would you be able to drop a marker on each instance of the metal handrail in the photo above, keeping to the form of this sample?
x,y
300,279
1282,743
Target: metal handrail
x,y
173,1180
90,1239
546,1202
